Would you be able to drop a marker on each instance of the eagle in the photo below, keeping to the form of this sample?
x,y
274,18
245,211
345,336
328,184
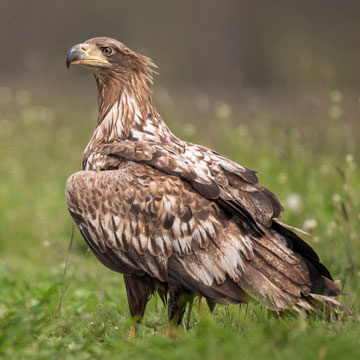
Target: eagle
x,y
176,218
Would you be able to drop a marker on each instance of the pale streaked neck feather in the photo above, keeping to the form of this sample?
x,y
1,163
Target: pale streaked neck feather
x,y
126,111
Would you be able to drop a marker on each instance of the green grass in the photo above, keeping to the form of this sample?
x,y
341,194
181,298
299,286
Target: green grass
x,y
316,177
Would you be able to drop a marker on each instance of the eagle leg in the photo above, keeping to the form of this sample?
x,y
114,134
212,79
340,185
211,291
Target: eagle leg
x,y
138,290
188,316
211,304
178,299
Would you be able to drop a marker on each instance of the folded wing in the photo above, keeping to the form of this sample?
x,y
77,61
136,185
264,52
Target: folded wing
x,y
138,220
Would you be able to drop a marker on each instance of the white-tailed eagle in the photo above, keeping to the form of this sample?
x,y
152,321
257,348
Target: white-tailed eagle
x,y
175,217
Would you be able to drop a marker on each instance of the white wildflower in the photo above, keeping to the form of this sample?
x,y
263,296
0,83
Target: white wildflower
x,y
336,96
294,202
81,292
349,158
336,198
222,110
33,301
310,225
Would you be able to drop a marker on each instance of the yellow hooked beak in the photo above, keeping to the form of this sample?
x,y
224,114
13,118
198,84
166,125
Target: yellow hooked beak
x,y
85,54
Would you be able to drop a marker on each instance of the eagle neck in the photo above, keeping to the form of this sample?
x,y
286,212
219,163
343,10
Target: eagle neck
x,y
126,111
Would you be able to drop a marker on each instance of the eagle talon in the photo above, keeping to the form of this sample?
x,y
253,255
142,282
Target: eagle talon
x,y
132,334
172,333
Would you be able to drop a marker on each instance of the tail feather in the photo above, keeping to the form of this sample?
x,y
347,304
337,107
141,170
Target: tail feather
x,y
283,279
329,306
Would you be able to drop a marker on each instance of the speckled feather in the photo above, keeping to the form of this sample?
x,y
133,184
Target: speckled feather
x,y
145,217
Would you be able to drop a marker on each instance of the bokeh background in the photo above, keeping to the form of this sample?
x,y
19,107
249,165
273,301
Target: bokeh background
x,y
227,45
274,85
284,56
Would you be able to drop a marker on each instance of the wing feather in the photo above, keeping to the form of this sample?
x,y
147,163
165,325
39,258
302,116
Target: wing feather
x,y
145,222
201,172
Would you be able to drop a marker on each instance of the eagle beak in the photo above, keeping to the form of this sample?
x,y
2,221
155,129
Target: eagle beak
x,y
84,54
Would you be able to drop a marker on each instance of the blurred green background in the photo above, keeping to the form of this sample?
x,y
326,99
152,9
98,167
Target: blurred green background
x,y
273,85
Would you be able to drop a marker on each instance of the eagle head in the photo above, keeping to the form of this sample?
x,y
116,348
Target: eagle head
x,y
109,58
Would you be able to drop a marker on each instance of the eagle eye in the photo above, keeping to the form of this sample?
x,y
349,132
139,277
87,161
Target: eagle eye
x,y
107,50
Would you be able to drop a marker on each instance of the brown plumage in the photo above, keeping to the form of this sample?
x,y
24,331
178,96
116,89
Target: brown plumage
x,y
175,217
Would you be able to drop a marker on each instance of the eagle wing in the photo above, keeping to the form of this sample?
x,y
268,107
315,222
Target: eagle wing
x,y
231,185
139,220
239,181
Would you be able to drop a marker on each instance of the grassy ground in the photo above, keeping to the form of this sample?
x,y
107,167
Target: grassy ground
x,y
315,176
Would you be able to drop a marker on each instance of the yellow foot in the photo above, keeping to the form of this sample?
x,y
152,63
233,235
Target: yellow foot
x,y
172,333
132,333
